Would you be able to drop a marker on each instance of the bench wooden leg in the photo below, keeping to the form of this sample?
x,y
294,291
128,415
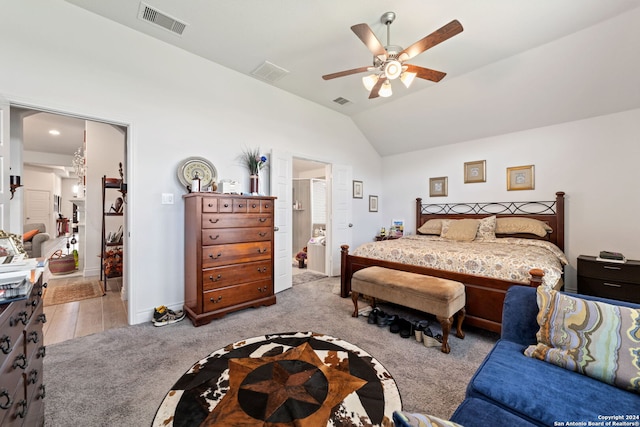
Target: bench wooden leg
x,y
354,298
461,314
445,322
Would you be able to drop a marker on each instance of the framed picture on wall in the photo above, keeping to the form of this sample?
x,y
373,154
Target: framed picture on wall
x,y
373,203
475,171
520,178
357,189
438,186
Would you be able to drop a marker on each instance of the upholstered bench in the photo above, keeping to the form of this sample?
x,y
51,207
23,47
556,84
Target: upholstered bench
x,y
440,297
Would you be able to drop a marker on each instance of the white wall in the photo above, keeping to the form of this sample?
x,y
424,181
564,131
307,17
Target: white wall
x,y
595,162
60,57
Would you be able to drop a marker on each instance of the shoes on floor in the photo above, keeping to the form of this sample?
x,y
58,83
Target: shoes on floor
x,y
373,316
394,324
406,328
418,327
383,319
430,340
165,316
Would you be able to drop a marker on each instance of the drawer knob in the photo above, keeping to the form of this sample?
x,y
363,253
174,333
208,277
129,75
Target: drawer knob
x,y
214,221
215,301
42,351
216,279
42,393
262,234
215,257
611,267
253,206
42,318
5,343
266,206
240,205
262,219
33,337
20,362
262,251
5,399
23,408
262,270
32,378
210,205
214,238
226,205
21,317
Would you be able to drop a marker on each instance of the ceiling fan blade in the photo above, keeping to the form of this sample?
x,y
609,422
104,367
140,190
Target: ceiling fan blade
x,y
345,73
426,73
364,33
451,29
375,90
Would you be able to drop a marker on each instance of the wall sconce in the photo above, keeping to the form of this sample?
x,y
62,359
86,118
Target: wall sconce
x,y
14,183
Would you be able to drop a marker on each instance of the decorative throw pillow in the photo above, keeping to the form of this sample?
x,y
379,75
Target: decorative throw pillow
x,y
462,230
406,419
514,225
433,226
593,338
487,228
29,235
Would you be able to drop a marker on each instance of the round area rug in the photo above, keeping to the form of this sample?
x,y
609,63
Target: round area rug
x,y
299,378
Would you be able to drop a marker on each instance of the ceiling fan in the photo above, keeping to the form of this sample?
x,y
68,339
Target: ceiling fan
x,y
389,60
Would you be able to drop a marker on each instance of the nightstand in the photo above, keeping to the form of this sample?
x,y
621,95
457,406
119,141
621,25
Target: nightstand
x,y
609,279
379,238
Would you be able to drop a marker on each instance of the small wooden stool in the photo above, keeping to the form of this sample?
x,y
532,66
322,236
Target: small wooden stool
x,y
440,297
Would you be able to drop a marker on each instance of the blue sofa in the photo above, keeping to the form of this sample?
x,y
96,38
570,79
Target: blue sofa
x,y
510,389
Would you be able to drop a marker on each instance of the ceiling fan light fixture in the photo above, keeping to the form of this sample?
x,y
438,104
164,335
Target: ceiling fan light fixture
x,y
407,78
370,81
392,69
385,90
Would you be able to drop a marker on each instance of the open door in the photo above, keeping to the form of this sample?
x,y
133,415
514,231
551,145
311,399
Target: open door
x,y
341,213
281,170
5,163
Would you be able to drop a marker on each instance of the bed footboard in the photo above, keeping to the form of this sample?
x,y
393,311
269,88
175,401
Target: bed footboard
x,y
484,295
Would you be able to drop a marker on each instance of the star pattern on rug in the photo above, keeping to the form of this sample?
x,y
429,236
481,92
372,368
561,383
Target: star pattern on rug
x,y
284,385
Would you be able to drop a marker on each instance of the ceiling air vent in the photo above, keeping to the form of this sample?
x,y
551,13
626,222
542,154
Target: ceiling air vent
x,y
149,14
269,72
342,101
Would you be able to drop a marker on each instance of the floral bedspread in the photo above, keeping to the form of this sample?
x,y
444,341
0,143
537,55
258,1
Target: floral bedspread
x,y
504,258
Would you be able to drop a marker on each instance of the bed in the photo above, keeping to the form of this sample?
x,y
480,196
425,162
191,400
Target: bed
x,y
486,279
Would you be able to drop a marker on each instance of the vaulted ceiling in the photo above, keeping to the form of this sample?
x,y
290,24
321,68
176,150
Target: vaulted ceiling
x,y
516,65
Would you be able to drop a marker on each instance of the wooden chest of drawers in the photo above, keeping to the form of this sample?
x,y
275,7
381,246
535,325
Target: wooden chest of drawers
x,y
609,279
228,254
21,354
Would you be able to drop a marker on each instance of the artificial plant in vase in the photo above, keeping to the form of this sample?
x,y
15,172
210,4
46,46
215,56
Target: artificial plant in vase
x,y
254,161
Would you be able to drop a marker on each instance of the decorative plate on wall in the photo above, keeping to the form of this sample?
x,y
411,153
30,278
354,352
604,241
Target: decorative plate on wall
x,y
204,168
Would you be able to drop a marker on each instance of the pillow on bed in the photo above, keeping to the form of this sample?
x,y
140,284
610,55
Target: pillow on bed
x,y
433,226
594,338
487,228
514,225
463,230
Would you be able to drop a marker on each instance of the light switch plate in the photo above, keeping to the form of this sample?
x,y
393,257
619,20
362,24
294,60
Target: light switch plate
x,y
167,198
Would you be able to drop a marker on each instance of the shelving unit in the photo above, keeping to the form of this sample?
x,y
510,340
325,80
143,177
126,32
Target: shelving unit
x,y
111,255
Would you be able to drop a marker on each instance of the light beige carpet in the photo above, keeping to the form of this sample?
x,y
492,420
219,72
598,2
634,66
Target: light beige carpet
x,y
62,292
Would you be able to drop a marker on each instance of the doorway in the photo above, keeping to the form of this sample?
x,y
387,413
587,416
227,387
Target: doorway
x,y
65,156
309,217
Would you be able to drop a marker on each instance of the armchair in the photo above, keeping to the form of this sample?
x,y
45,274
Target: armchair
x,y
33,247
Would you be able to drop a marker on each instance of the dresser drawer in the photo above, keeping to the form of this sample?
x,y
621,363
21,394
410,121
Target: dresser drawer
x,y
14,404
213,256
209,204
628,272
266,206
233,274
235,235
232,221
609,289
233,295
12,324
233,205
14,366
34,337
